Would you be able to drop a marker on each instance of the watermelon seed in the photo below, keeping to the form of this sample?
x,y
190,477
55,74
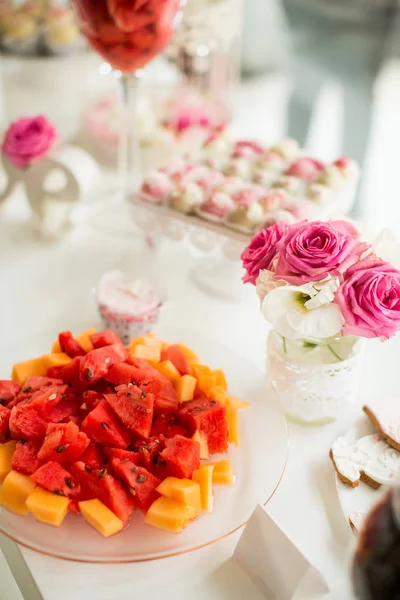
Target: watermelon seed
x,y
134,469
105,425
143,395
108,360
88,469
213,402
148,410
3,402
27,389
64,397
69,483
69,384
58,493
102,473
23,442
141,478
61,449
53,397
132,491
89,374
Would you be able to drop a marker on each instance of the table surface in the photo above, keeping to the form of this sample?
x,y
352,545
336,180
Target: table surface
x,y
49,286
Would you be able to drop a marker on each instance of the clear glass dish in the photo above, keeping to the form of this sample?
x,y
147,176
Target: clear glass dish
x,y
259,464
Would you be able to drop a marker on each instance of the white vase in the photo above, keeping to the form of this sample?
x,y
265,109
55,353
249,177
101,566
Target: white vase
x,y
315,382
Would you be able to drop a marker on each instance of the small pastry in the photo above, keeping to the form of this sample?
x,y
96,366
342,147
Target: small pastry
x,y
278,216
157,187
305,168
212,181
246,218
331,177
287,148
231,185
247,149
61,32
271,161
196,174
20,34
216,207
265,178
216,151
240,167
273,200
186,198
291,184
317,192
348,167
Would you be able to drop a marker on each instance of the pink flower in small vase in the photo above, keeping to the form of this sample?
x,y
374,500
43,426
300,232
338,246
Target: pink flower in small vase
x,y
369,299
28,140
261,251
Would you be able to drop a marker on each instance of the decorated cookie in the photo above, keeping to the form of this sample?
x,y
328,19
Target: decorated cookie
x,y
370,459
385,419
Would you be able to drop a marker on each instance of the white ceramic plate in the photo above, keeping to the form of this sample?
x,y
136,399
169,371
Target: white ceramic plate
x,y
259,464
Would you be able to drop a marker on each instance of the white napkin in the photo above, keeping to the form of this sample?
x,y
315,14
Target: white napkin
x,y
273,562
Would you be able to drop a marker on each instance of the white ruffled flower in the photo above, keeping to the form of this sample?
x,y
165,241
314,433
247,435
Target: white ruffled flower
x,y
387,247
306,311
266,283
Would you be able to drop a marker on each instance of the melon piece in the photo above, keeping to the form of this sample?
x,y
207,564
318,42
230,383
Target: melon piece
x,y
44,400
26,423
59,359
182,490
146,352
127,455
134,407
22,370
94,456
142,484
181,455
6,453
123,374
64,443
25,459
91,399
149,451
104,427
204,477
47,507
100,517
70,374
223,472
232,420
237,403
168,426
168,369
4,423
105,338
83,339
188,353
100,484
15,491
169,515
54,478
207,416
70,345
200,436
35,383
175,355
206,378
8,391
66,409
221,379
97,362
185,387
219,394
146,340
165,396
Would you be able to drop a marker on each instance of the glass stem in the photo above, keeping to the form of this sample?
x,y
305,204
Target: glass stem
x,y
129,164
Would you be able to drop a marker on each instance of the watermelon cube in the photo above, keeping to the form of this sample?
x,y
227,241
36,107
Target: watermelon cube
x,y
112,453
45,400
134,407
54,478
182,456
69,374
8,391
104,427
64,443
142,484
177,357
97,362
36,382
26,423
168,426
106,488
25,458
105,338
208,416
4,423
94,456
140,371
92,399
149,451
69,345
68,406
165,396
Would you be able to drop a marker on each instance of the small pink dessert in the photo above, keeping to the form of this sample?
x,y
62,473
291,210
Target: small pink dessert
x,y
289,183
248,213
211,181
248,150
305,168
319,193
273,200
231,185
287,148
265,178
271,161
217,207
278,216
248,195
129,308
240,167
186,198
157,187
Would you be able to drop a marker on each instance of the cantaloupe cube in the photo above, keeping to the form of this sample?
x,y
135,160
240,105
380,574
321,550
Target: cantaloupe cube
x,y
189,354
232,420
22,370
169,515
47,507
206,378
182,490
218,393
56,359
150,354
237,403
199,436
83,339
204,477
146,340
223,472
221,379
15,491
168,369
185,387
100,517
6,453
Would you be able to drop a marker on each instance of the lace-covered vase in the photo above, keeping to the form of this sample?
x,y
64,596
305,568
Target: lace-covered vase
x,y
315,381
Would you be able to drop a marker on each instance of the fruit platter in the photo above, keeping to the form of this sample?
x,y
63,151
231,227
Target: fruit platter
x,y
121,453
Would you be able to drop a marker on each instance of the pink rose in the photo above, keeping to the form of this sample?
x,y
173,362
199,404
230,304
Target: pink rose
x,y
369,299
29,139
310,251
261,251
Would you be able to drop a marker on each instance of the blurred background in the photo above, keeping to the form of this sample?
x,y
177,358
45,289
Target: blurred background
x,y
325,72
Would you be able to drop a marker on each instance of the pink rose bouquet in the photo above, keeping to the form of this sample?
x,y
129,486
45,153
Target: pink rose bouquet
x,y
28,140
319,281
